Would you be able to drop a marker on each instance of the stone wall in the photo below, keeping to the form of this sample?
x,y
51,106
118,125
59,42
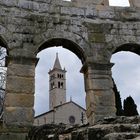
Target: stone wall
x,y
119,128
134,3
93,31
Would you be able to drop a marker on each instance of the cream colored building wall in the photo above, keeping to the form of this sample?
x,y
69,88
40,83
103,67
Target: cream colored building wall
x,y
44,119
62,114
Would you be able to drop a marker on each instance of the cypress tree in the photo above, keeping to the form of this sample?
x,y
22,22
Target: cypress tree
x,y
118,103
130,108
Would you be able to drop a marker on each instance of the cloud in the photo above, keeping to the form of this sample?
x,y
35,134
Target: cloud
x,y
119,2
74,79
126,73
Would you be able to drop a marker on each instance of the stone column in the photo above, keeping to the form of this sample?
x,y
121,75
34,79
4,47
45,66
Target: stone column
x,y
134,3
19,99
100,98
91,2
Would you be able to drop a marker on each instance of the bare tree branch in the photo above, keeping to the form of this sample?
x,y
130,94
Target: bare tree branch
x,y
3,71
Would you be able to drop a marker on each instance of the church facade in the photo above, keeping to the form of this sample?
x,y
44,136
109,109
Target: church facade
x,y
60,111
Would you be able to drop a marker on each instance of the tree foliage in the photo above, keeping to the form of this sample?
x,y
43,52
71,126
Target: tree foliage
x,y
130,108
118,103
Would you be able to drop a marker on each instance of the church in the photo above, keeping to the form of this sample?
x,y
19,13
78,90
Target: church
x,y
60,111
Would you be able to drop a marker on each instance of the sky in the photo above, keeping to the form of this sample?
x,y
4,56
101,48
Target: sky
x,y
125,72
118,2
72,64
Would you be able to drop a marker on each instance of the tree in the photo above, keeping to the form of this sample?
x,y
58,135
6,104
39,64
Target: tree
x,y
3,70
118,102
130,108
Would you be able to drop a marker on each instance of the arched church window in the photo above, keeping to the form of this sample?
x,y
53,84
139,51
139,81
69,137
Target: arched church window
x,y
71,119
61,86
62,75
52,77
52,85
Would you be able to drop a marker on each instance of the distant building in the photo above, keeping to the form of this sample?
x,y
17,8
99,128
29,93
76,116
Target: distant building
x,y
60,110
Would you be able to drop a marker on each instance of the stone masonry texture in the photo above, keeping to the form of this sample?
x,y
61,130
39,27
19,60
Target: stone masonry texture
x,y
91,29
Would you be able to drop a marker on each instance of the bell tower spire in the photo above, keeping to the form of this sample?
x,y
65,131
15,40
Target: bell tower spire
x,y
57,84
57,63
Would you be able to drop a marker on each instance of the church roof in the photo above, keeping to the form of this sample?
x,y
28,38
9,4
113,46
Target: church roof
x,y
57,63
61,106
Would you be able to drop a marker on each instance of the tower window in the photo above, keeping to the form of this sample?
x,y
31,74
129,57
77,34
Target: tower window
x,y
58,84
61,85
52,85
72,119
60,76
52,76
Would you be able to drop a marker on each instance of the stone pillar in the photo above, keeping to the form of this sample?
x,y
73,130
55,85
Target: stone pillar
x,y
134,3
19,99
100,98
91,2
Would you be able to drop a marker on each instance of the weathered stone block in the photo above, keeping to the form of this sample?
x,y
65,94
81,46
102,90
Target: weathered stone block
x,y
96,37
94,28
21,116
96,134
20,84
83,3
79,135
100,97
20,100
13,136
134,3
98,84
21,70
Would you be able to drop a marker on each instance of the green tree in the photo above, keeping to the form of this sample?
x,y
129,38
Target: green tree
x,y
118,103
130,108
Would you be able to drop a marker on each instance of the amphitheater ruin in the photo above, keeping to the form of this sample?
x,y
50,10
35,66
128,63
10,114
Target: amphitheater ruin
x,y
91,29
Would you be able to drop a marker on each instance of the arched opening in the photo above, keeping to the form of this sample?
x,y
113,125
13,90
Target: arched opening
x,y
69,55
67,44
126,72
3,74
122,3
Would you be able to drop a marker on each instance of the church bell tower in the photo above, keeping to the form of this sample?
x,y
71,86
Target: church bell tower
x,y
57,85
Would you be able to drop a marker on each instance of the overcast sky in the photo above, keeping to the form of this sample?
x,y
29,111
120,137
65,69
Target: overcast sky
x,y
126,73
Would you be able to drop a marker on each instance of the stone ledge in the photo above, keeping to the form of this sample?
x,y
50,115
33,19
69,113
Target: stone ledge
x,y
110,128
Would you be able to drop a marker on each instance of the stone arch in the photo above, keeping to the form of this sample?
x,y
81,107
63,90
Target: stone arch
x,y
65,43
3,75
69,40
3,42
5,37
132,47
127,47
